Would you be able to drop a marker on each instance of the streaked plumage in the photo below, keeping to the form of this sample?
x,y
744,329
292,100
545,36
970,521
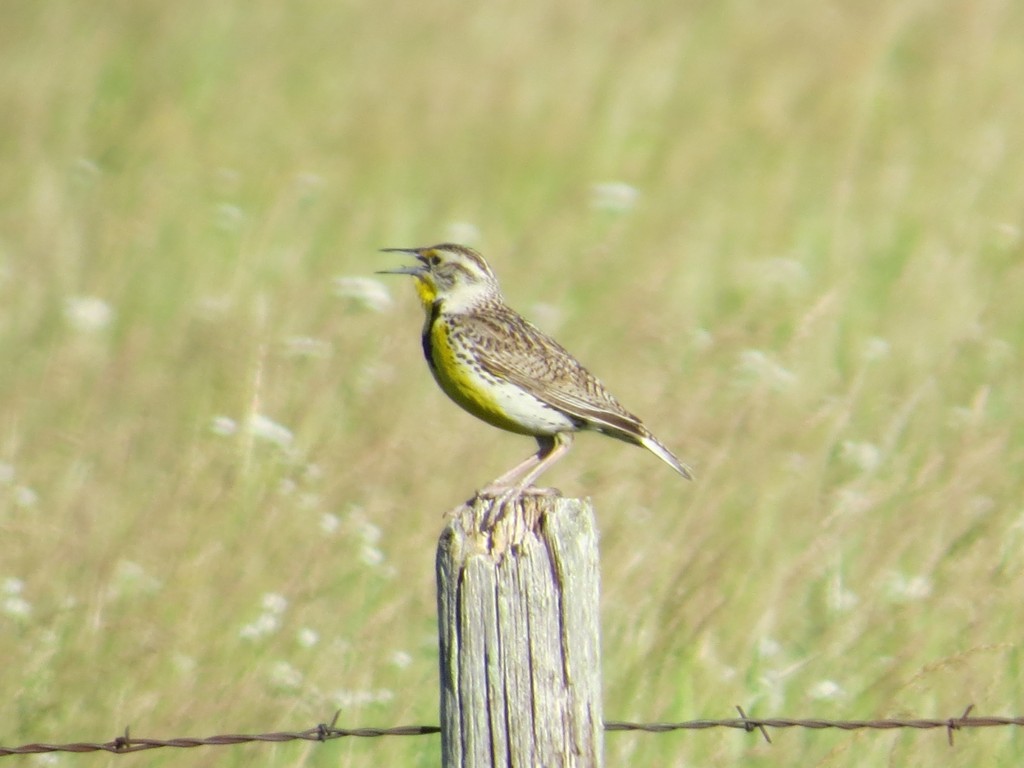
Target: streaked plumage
x,y
502,369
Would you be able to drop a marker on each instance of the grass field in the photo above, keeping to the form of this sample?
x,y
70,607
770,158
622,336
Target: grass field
x,y
787,235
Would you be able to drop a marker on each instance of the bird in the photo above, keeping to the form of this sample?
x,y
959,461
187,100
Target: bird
x,y
502,369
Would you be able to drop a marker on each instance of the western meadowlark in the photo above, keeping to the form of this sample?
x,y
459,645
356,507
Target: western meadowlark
x,y
502,369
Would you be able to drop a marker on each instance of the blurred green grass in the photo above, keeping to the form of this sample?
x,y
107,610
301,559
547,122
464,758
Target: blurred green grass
x,y
815,298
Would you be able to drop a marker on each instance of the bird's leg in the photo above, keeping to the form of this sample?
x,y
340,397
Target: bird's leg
x,y
557,446
501,489
518,479
504,482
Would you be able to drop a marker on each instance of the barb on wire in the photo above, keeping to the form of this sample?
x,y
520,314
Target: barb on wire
x,y
954,724
126,743
751,726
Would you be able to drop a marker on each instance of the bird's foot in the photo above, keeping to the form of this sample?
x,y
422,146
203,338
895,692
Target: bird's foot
x,y
506,493
500,496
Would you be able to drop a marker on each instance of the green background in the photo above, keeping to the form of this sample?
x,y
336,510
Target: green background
x,y
223,471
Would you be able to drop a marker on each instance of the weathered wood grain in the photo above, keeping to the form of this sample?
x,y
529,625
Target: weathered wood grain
x,y
518,613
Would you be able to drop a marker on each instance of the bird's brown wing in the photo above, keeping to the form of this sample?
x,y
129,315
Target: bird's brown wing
x,y
509,347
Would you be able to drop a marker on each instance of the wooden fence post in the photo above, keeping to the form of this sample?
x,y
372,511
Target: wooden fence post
x,y
517,601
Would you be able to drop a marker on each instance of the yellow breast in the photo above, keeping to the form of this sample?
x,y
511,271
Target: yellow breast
x,y
475,390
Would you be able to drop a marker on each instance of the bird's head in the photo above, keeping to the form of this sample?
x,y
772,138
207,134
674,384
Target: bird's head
x,y
451,273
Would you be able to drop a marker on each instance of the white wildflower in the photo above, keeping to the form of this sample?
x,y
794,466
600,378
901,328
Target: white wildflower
x,y
309,183
307,346
130,578
366,291
15,606
826,690
224,426
268,430
25,497
284,676
614,196
265,624
839,598
227,178
344,699
229,217
903,589
756,367
849,501
309,500
401,659
865,456
88,314
547,316
275,603
307,637
183,663
462,232
701,339
371,555
875,348
368,532
86,168
779,275
767,647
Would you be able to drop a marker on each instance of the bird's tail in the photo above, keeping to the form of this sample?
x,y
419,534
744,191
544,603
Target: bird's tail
x,y
650,442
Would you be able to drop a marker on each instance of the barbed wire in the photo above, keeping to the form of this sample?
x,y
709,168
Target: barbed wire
x,y
127,743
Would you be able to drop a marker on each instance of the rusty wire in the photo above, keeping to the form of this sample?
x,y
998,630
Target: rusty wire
x,y
750,724
325,732
127,743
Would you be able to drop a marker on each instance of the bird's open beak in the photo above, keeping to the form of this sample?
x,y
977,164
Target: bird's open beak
x,y
415,270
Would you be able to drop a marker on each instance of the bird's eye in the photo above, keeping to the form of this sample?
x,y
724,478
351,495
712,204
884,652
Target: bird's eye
x,y
433,259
